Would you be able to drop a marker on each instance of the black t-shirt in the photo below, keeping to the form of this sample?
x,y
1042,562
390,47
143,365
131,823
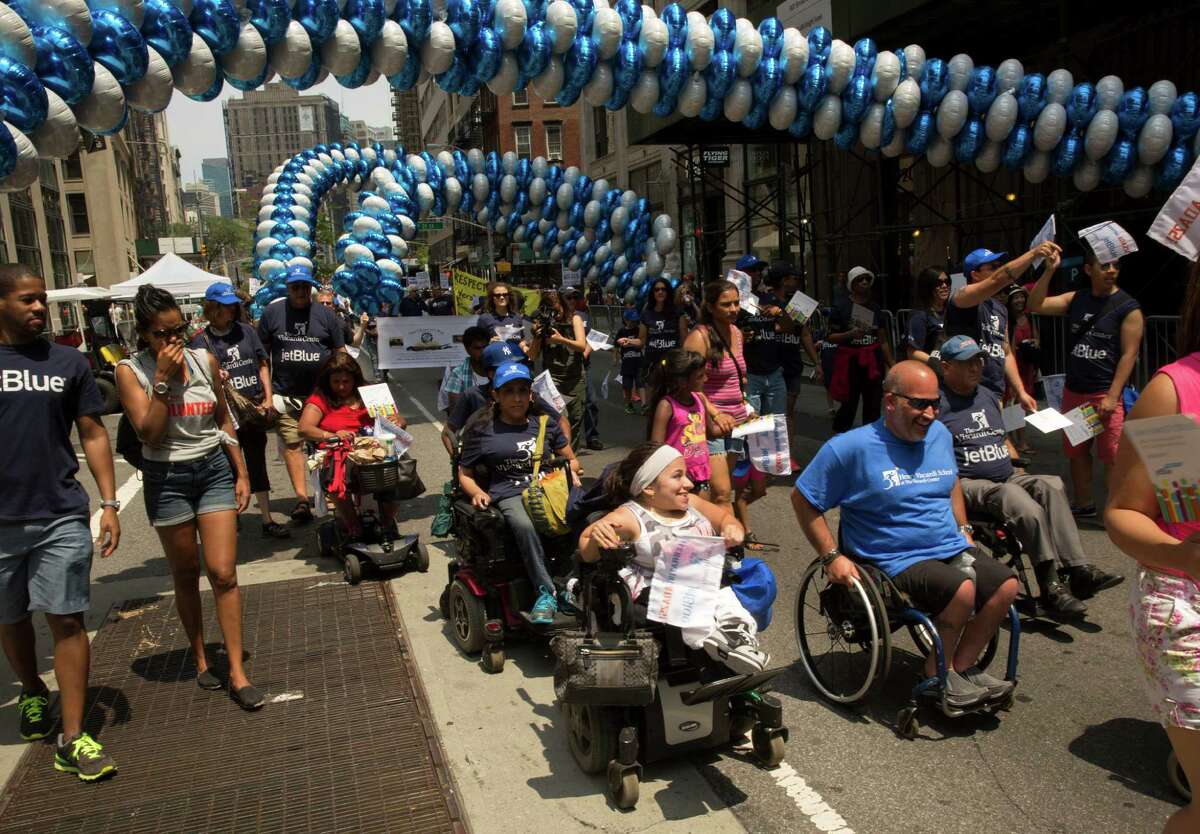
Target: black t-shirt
x,y
441,306
44,389
977,426
298,341
841,320
762,350
662,331
239,353
791,350
628,351
987,324
506,452
926,330
477,397
1092,363
490,321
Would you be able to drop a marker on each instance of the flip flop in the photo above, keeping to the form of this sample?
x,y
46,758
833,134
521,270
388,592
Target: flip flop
x,y
302,512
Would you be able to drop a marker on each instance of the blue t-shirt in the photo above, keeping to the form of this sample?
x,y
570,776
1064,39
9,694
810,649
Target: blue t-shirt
x,y
1092,363
894,495
977,426
44,389
506,452
239,353
662,330
298,342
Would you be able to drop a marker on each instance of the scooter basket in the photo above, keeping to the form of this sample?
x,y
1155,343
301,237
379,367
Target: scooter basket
x,y
376,477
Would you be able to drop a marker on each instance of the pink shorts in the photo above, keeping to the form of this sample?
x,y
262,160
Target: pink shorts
x,y
1108,440
1165,613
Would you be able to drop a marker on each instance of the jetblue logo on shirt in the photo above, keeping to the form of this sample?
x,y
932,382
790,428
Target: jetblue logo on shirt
x,y
13,381
1083,351
986,454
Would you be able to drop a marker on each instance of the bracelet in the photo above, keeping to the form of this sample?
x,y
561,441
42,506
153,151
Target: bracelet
x,y
828,558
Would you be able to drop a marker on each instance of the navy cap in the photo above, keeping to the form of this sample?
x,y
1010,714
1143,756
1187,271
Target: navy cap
x,y
979,257
300,272
747,262
222,293
959,348
630,314
510,372
500,353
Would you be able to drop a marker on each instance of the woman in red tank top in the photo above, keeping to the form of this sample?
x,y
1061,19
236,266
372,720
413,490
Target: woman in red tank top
x,y
1165,598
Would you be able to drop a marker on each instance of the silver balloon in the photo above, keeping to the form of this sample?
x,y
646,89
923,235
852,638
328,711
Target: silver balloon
x,y
654,42
1050,125
989,157
561,23
1059,85
1087,175
894,148
827,117
794,54
952,114
1009,75
453,191
645,92
1109,90
1100,135
437,53
782,111
870,130
550,81
1001,117
342,52
887,75
1162,95
291,55
74,15
1139,182
664,241
958,71
510,21
564,198
1154,139
389,51
939,152
701,41
103,109
914,61
1037,167
58,137
599,89
738,100
16,41
840,65
505,80
906,102
153,93
693,96
606,31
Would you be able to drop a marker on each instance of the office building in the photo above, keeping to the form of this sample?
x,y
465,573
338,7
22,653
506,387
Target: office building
x,y
100,191
215,174
156,177
406,118
199,203
365,134
33,229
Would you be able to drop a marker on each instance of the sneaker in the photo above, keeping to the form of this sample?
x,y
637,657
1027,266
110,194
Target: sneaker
x,y
85,757
962,693
596,444
34,710
629,408
544,609
567,603
1084,512
1060,603
734,647
994,687
1088,580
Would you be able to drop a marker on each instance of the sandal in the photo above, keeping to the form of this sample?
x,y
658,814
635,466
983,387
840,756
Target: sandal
x,y
302,512
275,530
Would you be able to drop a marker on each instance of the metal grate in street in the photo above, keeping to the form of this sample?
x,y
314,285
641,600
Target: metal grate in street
x,y
345,743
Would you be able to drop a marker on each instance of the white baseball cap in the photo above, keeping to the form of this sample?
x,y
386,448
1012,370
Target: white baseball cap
x,y
858,272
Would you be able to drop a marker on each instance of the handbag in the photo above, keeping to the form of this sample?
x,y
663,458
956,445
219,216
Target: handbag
x,y
410,484
546,497
129,445
246,412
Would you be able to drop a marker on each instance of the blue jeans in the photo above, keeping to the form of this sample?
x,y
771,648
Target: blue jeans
x,y
767,392
528,541
45,565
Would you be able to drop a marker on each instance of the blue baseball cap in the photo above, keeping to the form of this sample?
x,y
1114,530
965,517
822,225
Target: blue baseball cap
x,y
511,372
222,293
630,314
979,257
299,273
959,348
500,353
748,262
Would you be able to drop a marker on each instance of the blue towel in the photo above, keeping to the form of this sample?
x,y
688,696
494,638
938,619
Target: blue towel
x,y
754,586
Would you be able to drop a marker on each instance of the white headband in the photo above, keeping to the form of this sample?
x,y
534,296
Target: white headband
x,y
649,471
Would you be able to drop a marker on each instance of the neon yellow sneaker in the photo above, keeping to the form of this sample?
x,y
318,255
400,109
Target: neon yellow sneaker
x,y
34,709
85,757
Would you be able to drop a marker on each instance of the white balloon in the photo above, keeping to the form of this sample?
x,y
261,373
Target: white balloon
x,y
556,254
989,157
561,25
564,198
550,81
738,100
1087,175
1154,139
653,42
356,252
537,191
299,245
693,96
617,221
939,151
1059,86
1050,125
952,113
1001,117
1037,167
300,227
366,225
1100,135
390,268
399,244
644,95
599,89
1140,181
870,130
747,48
958,71
906,102
664,241
654,265
425,196
599,189
16,41
248,58
563,220
661,221
914,61
104,107
1162,95
620,265
342,52
480,188
58,136
375,206
437,53
539,243
505,80
592,213
783,108
1009,75
606,32
700,41
571,175
290,56
264,227
299,260
268,266
827,117
389,51
794,55
508,188
1109,90
417,166
886,75
840,65
153,92
453,191
263,247
510,21
538,166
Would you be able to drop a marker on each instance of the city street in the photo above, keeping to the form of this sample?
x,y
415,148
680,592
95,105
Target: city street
x,y
1078,752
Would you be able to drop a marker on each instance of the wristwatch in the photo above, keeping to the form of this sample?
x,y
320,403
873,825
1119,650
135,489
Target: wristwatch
x,y
966,529
114,503
828,558
161,388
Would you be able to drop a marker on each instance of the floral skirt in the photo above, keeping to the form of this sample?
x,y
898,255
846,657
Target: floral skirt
x,y
1165,612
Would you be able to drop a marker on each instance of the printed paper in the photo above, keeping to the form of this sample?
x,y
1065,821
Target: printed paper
x,y
421,341
401,440
1109,241
1176,225
378,400
768,450
544,387
801,307
687,577
1047,420
1170,450
509,332
1085,424
742,281
863,317
760,424
750,304
599,341
1044,234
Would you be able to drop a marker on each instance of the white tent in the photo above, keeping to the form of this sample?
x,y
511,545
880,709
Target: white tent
x,y
171,273
77,294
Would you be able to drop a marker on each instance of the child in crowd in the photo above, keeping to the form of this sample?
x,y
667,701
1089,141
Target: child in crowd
x,y
680,419
629,354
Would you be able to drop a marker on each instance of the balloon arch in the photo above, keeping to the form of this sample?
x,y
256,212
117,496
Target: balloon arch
x,y
608,234
68,64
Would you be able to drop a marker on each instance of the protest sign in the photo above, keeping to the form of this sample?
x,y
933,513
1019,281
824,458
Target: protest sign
x,y
466,288
420,281
1109,241
1176,225
687,577
769,450
422,341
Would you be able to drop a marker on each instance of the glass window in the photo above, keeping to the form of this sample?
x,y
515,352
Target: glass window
x,y
73,167
521,98
85,261
80,224
648,181
554,148
600,130
25,237
523,135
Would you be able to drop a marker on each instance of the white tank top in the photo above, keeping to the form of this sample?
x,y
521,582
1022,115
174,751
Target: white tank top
x,y
654,530
192,429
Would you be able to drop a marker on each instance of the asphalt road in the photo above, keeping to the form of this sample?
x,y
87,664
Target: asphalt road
x,y
1078,753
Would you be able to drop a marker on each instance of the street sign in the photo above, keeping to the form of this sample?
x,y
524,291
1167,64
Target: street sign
x,y
430,225
805,14
717,157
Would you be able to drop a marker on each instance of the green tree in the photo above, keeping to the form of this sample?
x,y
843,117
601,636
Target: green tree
x,y
228,241
181,230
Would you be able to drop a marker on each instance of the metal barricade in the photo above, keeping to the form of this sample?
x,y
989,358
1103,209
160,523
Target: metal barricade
x,y
1159,347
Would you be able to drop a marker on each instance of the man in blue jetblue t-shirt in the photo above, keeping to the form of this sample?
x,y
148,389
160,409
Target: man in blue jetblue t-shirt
x,y
902,511
1035,506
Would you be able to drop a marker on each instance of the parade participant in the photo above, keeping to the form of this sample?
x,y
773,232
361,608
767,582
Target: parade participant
x,y
629,356
191,489
366,339
902,511
863,353
411,304
658,507
470,372
562,346
326,298
753,267
765,385
1034,506
660,326
440,303
681,417
927,325
299,336
502,441
1105,333
45,543
244,365
1023,337
501,307
1165,596
591,407
791,340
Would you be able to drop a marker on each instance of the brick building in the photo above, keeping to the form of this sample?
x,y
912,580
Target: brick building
x,y
531,127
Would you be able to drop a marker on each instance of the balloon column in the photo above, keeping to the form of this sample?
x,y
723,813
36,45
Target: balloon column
x,y
608,234
68,64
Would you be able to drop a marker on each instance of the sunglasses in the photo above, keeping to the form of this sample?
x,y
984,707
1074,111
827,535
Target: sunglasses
x,y
499,295
942,282
922,403
174,332
660,289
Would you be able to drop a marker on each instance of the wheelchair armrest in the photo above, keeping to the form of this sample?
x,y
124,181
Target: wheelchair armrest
x,y
615,558
479,518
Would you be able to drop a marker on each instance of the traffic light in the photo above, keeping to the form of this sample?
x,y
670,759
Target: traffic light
x,y
204,250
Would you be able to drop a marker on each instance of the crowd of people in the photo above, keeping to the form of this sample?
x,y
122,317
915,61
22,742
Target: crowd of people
x,y
932,452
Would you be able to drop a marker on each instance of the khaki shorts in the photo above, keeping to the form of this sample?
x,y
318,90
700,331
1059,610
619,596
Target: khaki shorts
x,y
288,424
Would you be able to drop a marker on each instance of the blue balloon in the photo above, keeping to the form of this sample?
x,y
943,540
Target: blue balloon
x,y
63,65
214,90
981,89
118,46
811,88
1081,106
801,126
767,80
627,66
820,40
1174,165
711,110
935,83
357,76
1120,161
1018,147
1031,96
919,133
1068,153
406,79
308,78
865,52
253,83
903,59
675,18
970,140
888,128
8,153
665,105
630,12
724,26
1185,115
23,96
215,21
550,238
846,136
1133,111
269,17
672,72
856,98
771,32
719,76
366,16
487,54
389,290
319,18
580,64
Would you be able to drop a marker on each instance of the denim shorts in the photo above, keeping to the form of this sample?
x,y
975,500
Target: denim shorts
x,y
45,565
178,492
726,445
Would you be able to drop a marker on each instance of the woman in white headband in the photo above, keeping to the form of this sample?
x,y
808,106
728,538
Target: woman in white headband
x,y
659,507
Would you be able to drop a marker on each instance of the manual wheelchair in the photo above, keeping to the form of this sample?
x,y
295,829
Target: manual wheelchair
x,y
845,633
695,704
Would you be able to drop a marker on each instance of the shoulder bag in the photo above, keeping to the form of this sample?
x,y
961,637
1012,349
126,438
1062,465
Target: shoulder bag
x,y
546,497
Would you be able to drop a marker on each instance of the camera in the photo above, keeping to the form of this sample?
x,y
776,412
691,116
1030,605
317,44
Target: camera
x,y
543,321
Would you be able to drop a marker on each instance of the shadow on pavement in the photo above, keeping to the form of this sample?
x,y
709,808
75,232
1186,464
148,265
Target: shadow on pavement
x,y
1133,751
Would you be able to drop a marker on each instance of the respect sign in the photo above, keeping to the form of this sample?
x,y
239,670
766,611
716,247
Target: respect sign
x,y
466,288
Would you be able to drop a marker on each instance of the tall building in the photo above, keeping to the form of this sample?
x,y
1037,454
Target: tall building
x,y
155,174
200,202
265,127
365,134
215,174
100,189
406,117
32,228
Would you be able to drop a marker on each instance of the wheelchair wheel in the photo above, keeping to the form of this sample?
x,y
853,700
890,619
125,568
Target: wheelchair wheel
x,y
920,636
1178,778
421,559
352,568
492,659
623,786
843,635
466,617
592,733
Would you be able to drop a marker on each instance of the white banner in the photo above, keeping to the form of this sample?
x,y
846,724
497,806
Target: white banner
x,y
1109,241
420,281
687,577
571,277
1176,226
422,341
768,450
